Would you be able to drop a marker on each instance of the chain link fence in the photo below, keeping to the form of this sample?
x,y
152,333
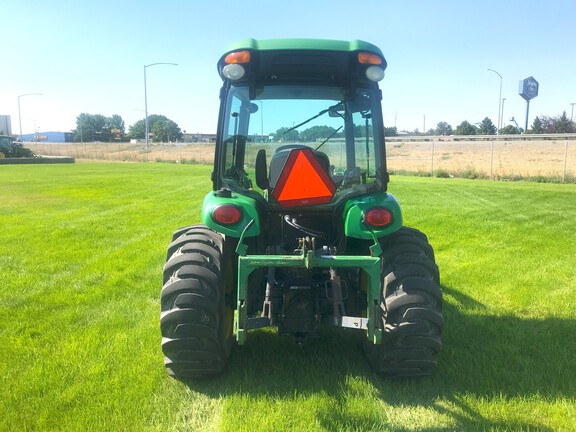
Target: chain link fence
x,y
552,158
127,152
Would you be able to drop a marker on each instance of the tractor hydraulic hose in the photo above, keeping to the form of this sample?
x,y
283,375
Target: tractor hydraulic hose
x,y
292,222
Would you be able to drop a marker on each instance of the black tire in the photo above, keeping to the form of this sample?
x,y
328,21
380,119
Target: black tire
x,y
197,312
411,308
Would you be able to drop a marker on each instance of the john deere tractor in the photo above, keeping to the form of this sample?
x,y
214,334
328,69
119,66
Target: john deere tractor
x,y
11,149
299,231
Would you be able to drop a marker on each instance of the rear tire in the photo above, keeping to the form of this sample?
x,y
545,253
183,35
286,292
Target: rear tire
x,y
411,307
197,316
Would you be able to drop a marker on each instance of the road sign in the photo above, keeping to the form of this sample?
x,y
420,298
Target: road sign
x,y
528,88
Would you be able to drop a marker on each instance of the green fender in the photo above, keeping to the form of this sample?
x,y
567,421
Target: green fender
x,y
246,204
354,210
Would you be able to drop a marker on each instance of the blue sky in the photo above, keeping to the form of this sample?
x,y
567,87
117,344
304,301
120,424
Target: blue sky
x,y
89,56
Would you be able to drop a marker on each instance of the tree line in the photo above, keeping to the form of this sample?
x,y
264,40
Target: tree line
x,y
540,125
96,127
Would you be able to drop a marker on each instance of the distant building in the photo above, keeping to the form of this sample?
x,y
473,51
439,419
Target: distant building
x,y
5,125
198,137
49,137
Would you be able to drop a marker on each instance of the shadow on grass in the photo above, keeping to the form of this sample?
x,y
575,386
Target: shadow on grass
x,y
484,358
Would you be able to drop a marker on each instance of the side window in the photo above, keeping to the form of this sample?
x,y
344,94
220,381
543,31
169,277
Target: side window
x,y
235,105
364,143
232,129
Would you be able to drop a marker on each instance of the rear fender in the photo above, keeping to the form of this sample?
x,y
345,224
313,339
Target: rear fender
x,y
244,203
354,210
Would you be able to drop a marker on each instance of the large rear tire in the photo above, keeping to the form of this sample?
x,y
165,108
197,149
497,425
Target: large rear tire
x,y
411,307
197,315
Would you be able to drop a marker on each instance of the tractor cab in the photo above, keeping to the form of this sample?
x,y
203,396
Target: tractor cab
x,y
301,127
6,144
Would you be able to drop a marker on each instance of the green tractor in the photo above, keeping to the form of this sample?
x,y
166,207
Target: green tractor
x,y
11,149
299,230
6,146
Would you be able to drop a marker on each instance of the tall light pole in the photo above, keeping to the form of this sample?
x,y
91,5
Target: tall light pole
x,y
502,115
499,102
19,115
572,115
146,98
35,129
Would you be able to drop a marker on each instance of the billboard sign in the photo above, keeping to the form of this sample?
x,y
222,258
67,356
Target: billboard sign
x,y
528,88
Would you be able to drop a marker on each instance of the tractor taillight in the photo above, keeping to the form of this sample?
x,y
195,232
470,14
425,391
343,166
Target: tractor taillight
x,y
227,214
378,217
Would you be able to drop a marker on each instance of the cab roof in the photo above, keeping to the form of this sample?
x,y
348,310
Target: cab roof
x,y
302,60
304,44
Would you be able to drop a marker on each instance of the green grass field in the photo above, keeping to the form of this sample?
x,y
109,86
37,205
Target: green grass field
x,y
81,252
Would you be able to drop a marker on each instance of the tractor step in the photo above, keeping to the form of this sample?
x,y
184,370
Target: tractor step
x,y
256,323
354,322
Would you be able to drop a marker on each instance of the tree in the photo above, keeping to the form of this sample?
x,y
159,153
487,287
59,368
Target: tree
x,y
390,131
564,125
96,127
316,132
282,134
558,124
537,127
509,130
89,127
138,129
115,122
165,131
444,128
486,127
465,128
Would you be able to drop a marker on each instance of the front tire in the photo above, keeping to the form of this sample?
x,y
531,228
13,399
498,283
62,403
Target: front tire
x,y
411,307
196,318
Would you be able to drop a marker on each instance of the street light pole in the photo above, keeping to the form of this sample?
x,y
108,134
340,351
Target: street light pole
x,y
502,112
146,99
35,129
572,115
19,115
499,102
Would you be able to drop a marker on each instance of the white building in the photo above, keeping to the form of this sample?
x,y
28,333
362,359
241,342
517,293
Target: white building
x,y
5,125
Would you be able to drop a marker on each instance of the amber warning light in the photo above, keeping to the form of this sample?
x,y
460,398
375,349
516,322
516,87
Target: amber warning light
x,y
238,57
369,58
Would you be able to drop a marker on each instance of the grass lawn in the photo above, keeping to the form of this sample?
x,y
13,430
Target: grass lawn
x,y
81,252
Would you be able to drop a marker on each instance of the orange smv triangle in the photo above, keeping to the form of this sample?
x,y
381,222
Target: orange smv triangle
x,y
303,181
